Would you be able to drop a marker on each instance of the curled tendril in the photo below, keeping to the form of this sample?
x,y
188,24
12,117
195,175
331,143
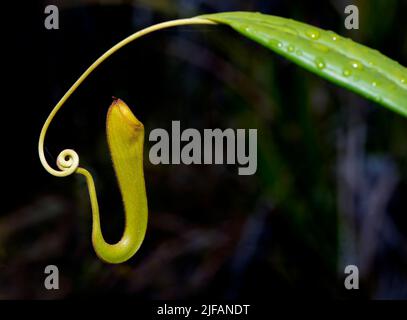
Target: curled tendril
x,y
68,161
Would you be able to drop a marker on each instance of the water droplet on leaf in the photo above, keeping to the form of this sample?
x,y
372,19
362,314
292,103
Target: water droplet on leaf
x,y
333,35
275,43
346,72
320,63
356,65
313,34
378,99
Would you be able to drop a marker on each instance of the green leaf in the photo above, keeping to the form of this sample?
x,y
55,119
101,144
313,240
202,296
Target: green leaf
x,y
349,64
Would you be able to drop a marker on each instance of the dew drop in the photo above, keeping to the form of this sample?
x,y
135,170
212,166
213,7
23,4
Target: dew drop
x,y
333,35
356,65
378,99
320,63
374,84
290,48
403,80
298,52
313,34
275,43
346,72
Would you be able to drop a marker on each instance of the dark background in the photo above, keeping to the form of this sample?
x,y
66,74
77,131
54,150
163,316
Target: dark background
x,y
332,169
